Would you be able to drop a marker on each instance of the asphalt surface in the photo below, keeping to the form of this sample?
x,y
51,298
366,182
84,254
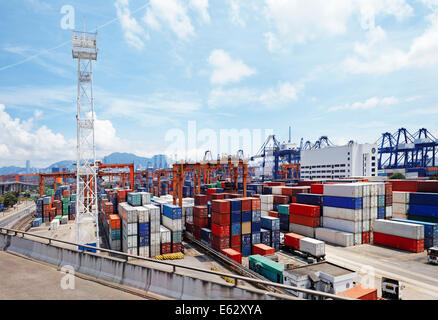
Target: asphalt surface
x,y
419,278
11,216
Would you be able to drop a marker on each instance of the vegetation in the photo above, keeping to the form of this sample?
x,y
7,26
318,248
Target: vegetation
x,y
434,177
9,199
398,176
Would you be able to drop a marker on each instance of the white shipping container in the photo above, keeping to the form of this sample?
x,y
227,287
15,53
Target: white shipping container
x,y
266,206
277,190
165,235
155,237
302,230
374,201
132,229
143,214
388,212
315,247
132,241
400,197
342,225
132,251
366,202
357,239
143,251
336,237
173,225
145,198
373,213
366,190
267,198
365,225
396,215
380,189
401,208
342,213
353,190
400,229
264,213
54,224
366,213
155,251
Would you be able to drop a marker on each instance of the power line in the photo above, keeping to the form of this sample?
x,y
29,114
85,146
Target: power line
x,y
64,43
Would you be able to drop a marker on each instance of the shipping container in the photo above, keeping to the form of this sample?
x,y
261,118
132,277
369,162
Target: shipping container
x,y
304,210
302,230
262,250
344,239
343,202
270,223
312,246
312,222
400,229
397,242
232,254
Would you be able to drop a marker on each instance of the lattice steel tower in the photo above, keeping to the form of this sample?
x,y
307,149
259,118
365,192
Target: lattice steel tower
x,y
84,48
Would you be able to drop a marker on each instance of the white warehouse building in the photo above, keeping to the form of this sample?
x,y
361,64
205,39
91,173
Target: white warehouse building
x,y
352,160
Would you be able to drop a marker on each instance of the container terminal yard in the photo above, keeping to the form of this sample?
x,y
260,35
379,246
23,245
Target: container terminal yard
x,y
293,221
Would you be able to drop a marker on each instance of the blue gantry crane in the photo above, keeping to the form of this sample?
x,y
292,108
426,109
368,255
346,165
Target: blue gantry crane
x,y
403,150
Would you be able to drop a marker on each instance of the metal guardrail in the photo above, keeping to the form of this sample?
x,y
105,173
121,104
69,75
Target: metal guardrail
x,y
221,274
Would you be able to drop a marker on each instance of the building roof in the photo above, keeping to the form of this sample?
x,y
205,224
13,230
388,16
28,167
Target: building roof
x,y
325,267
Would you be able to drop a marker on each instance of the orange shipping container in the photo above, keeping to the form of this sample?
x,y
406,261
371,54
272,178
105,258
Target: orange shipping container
x,y
313,222
262,249
233,254
273,214
360,293
114,221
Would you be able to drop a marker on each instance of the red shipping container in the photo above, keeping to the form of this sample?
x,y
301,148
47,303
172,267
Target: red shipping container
x,y
428,186
308,183
66,193
312,222
220,230
234,196
166,248
404,185
365,237
293,199
200,211
211,190
304,209
226,195
246,204
220,206
232,254
236,241
262,249
255,204
122,194
222,219
396,242
257,196
388,188
217,196
219,243
274,184
201,200
293,240
273,214
317,188
200,222
108,207
286,191
237,248
176,247
360,293
281,199
197,232
189,227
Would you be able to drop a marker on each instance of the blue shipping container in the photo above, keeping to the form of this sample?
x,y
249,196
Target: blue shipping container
x,y
256,215
423,198
275,236
343,202
206,235
143,241
246,250
309,198
246,216
270,223
235,205
171,211
236,217
420,210
267,190
256,226
255,238
143,228
246,239
236,229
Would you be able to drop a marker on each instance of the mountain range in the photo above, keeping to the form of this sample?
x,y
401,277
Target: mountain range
x,y
156,162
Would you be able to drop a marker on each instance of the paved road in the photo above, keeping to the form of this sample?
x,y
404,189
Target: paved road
x,y
419,278
9,218
25,279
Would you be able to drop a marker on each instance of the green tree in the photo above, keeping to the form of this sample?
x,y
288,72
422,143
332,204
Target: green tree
x,y
397,175
10,199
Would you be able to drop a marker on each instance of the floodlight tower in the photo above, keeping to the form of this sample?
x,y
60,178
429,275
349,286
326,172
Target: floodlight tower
x,y
84,48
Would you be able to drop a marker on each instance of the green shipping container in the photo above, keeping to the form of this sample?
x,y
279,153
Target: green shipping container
x,y
58,217
283,209
73,197
218,185
50,192
267,268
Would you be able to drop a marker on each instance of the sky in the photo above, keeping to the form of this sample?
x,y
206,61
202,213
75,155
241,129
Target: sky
x,y
179,75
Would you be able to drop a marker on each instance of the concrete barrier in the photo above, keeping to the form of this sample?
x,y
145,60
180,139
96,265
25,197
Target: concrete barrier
x,y
165,283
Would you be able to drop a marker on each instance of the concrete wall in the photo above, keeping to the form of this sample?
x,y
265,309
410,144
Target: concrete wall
x,y
164,283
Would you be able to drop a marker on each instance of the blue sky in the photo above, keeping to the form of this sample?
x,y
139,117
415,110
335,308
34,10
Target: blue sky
x,y
348,70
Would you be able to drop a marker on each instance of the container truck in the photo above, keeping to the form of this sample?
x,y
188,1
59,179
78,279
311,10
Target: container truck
x,y
432,255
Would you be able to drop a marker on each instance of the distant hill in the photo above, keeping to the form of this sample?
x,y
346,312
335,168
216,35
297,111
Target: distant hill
x,y
157,162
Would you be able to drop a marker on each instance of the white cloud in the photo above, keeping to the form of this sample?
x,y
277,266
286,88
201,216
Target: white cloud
x,y
174,14
227,70
296,22
371,103
272,97
235,17
133,32
201,6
